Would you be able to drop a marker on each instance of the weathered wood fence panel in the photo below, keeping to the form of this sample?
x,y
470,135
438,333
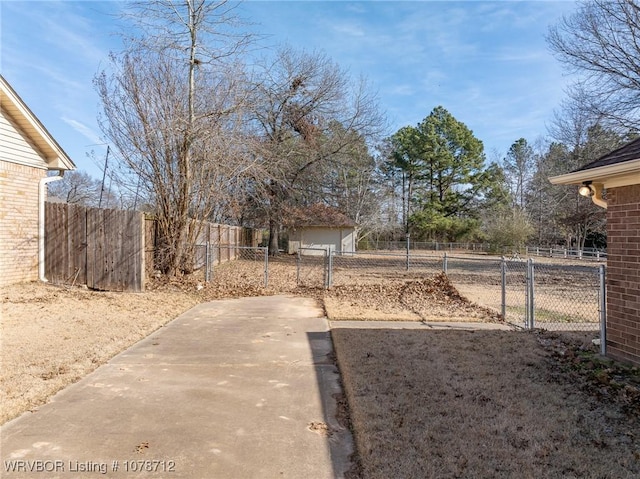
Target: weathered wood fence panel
x,y
221,239
150,231
115,250
65,243
103,249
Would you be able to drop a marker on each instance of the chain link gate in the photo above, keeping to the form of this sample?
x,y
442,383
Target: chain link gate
x,y
314,267
236,264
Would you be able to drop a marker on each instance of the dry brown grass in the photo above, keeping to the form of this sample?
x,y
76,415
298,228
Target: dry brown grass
x,y
52,336
482,404
423,403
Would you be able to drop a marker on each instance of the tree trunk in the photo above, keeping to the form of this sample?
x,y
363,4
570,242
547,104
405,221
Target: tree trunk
x,y
273,237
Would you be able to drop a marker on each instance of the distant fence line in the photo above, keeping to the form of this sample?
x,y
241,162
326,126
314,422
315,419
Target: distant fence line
x,y
548,251
375,245
567,253
114,250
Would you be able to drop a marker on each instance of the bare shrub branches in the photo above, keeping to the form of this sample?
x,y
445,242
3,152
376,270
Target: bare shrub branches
x,y
601,43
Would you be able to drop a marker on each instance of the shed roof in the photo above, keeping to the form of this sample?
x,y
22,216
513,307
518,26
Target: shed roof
x,y
318,215
18,110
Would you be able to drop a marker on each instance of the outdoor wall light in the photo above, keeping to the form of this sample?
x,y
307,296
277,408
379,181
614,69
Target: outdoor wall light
x,y
594,192
586,189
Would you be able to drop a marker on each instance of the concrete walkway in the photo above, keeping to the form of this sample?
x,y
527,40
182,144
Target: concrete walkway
x,y
231,389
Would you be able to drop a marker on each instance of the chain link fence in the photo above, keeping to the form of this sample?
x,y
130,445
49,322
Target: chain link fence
x,y
372,267
566,296
533,295
527,294
237,265
313,268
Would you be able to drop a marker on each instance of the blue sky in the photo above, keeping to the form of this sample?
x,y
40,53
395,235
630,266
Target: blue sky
x,y
485,62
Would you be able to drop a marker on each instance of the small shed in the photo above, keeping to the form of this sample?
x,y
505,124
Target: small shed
x,y
320,227
619,174
27,153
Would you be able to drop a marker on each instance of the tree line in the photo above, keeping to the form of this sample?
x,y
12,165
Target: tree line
x,y
203,128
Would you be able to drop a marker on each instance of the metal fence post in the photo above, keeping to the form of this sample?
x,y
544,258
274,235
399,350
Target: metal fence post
x,y
503,281
298,259
207,262
325,267
445,265
408,244
329,268
530,293
266,267
603,311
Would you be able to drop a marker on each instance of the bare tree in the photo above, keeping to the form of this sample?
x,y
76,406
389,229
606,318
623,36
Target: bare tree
x,y
518,166
299,100
170,107
80,188
601,43
579,141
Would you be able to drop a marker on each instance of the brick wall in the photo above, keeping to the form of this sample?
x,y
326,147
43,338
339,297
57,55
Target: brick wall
x,y
623,273
18,222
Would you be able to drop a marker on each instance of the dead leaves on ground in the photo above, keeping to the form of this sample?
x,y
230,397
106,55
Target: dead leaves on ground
x,y
601,377
424,297
427,298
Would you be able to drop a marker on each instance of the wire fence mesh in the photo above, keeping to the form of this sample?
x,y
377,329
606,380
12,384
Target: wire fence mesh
x,y
533,295
370,267
312,268
477,279
237,265
527,294
566,297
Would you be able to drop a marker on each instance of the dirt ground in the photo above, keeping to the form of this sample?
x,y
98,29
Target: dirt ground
x,y
423,403
432,298
52,336
447,404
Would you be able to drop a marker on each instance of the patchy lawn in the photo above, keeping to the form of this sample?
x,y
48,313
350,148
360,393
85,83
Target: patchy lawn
x,y
52,336
439,404
451,404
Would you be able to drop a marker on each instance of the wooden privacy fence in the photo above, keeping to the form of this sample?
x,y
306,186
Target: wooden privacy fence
x,y
220,238
112,250
101,248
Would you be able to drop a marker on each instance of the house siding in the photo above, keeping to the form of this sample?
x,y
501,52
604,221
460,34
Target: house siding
x,y
623,273
15,145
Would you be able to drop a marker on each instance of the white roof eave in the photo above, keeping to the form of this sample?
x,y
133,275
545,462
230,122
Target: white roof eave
x,y
610,176
56,157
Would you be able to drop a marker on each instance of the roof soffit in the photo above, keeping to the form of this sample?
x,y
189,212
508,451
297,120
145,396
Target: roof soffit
x,y
20,113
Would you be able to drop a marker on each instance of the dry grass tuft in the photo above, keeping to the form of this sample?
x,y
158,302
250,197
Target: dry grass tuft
x,y
52,336
480,404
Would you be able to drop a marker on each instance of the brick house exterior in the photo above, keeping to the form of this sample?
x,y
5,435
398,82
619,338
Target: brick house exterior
x,y
619,173
27,154
623,270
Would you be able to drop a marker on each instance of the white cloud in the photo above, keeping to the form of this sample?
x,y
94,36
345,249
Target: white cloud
x,y
349,29
402,90
84,130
